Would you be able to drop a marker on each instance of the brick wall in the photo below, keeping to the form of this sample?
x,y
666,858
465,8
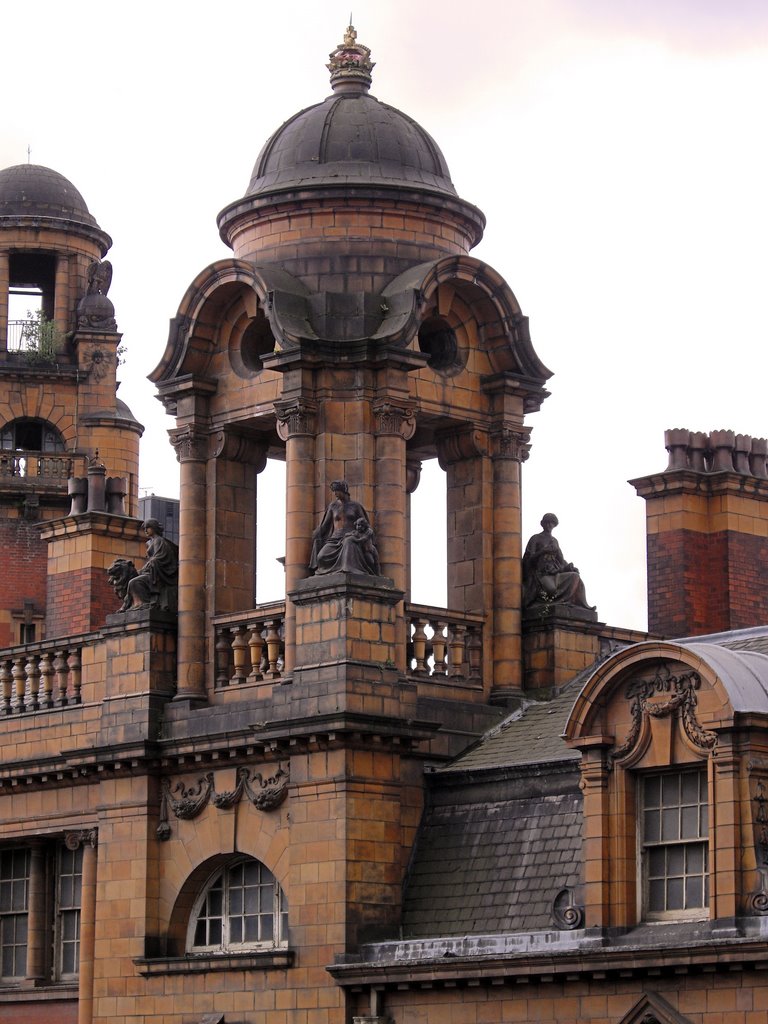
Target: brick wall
x,y
24,571
704,583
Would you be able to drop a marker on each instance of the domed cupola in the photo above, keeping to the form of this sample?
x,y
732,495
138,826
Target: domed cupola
x,y
30,193
353,162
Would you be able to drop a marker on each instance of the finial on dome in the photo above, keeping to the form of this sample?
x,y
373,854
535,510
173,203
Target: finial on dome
x,y
350,64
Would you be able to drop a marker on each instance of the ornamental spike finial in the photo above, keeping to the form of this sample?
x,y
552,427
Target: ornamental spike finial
x,y
350,64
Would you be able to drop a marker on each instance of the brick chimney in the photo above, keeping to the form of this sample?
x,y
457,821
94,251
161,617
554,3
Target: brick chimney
x,y
707,534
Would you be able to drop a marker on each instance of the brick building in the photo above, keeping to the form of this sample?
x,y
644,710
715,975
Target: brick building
x,y
345,806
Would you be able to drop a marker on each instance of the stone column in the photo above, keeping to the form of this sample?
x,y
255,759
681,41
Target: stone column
x,y
191,450
296,426
510,448
87,921
37,932
62,305
412,479
395,424
4,286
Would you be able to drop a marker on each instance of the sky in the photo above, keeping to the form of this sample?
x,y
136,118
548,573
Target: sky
x,y
617,148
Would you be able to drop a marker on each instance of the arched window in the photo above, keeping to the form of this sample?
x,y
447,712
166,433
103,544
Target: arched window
x,y
31,435
242,907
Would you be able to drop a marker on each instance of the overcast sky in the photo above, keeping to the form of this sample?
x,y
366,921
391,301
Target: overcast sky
x,y
617,148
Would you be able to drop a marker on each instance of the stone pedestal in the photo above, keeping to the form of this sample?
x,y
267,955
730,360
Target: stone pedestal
x,y
558,644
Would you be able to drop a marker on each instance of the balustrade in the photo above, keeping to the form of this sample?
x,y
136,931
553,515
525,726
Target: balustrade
x,y
40,677
36,465
250,646
443,644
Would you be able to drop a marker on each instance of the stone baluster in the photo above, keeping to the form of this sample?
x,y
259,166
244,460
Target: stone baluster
x,y
223,650
75,667
32,670
273,648
439,648
239,648
6,681
46,675
475,652
256,646
20,682
61,668
419,646
456,650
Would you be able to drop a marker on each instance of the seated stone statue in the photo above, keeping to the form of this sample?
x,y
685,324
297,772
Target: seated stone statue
x,y
547,577
344,540
156,583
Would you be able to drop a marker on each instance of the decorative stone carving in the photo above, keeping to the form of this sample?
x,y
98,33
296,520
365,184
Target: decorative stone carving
x,y
456,445
344,540
228,444
189,443
295,418
548,580
266,793
95,311
511,444
565,913
394,419
682,690
81,837
119,574
156,584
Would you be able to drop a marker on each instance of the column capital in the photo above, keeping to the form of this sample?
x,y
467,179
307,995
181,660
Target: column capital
x,y
81,837
190,443
296,417
511,443
393,417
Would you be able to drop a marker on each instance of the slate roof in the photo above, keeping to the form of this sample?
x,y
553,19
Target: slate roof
x,y
494,864
530,735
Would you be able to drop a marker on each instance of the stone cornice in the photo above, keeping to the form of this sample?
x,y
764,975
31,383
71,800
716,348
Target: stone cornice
x,y
105,524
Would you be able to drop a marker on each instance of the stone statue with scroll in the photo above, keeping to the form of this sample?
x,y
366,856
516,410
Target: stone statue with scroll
x,y
156,584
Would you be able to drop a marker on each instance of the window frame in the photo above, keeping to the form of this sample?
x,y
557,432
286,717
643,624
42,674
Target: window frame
x,y
226,875
645,846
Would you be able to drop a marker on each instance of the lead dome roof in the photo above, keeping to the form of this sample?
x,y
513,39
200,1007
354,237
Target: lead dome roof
x,y
351,138
31,190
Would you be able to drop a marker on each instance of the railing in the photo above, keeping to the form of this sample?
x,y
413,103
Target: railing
x,y
27,465
444,644
250,646
40,677
21,333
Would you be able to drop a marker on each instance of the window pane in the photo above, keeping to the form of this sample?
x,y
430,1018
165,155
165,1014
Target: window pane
x,y
695,860
656,894
657,862
675,894
689,823
670,829
694,892
652,826
652,790
670,788
214,932
236,929
690,787
676,860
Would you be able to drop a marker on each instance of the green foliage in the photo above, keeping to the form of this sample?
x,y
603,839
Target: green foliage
x,y
40,338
